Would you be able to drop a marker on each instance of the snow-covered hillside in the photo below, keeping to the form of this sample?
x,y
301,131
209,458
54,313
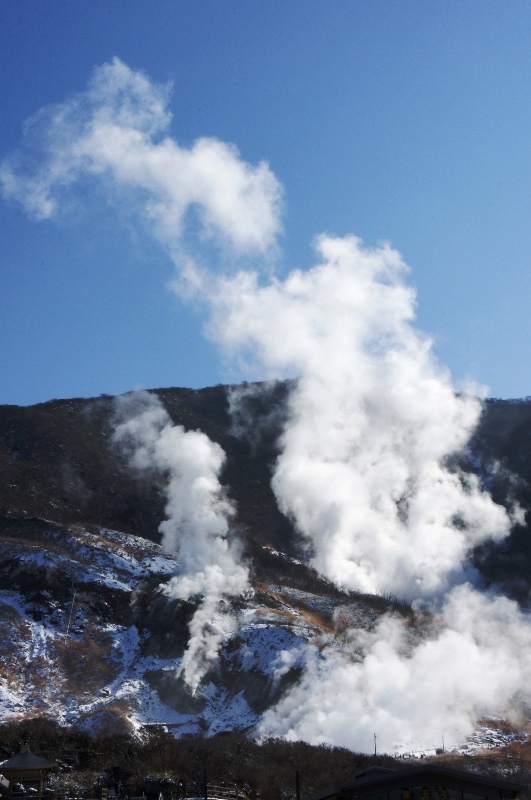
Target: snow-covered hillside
x,y
90,636
73,605
89,639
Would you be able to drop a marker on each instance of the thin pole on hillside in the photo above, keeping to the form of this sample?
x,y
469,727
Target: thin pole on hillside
x,y
70,615
374,744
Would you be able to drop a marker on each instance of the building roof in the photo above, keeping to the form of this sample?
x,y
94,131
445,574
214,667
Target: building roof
x,y
26,760
385,779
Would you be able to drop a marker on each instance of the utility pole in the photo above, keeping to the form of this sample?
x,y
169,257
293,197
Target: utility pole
x,y
70,616
443,741
374,744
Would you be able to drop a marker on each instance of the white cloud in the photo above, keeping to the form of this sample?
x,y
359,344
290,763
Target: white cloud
x,y
115,131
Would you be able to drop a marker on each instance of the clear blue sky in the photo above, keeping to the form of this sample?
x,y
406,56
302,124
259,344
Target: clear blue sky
x,y
402,121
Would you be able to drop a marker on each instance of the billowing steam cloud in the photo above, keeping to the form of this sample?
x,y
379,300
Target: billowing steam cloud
x,y
373,422
365,473
113,133
367,469
196,529
411,693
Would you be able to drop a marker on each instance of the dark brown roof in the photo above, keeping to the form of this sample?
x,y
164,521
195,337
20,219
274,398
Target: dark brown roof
x,y
26,760
381,779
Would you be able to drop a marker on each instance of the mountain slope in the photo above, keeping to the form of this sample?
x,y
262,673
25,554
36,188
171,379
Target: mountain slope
x,y
97,643
83,612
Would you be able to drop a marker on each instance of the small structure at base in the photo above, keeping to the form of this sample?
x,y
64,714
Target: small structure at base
x,y
29,771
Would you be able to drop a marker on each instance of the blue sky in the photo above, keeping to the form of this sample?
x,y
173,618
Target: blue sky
x,y
406,122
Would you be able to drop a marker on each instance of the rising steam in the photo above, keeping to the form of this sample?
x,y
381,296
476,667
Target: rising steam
x,y
364,469
196,529
411,691
114,133
367,469
367,475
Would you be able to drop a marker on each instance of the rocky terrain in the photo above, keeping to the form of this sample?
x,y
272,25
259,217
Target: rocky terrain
x,y
96,643
89,637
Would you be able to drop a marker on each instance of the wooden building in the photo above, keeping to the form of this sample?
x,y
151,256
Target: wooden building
x,y
28,770
428,782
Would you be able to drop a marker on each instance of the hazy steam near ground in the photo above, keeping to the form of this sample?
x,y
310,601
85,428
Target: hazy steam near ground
x,y
196,529
413,693
365,470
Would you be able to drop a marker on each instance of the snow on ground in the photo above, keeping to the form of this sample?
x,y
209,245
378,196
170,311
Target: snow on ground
x,y
272,642
355,613
96,673
81,669
489,735
109,558
261,646
25,643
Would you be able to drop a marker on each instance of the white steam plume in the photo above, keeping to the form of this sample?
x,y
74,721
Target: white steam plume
x,y
373,422
365,474
196,529
365,469
114,132
475,664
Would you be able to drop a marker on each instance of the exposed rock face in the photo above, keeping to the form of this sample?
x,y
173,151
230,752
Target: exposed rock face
x,y
57,462
87,634
88,637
